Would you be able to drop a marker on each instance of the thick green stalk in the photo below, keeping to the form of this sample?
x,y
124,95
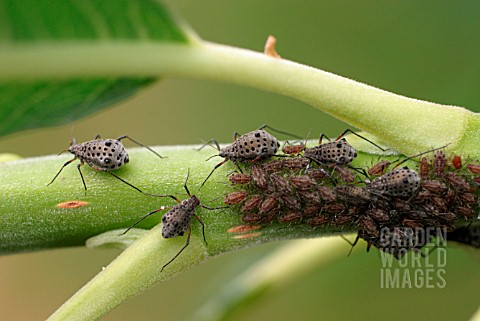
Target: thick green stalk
x,y
405,124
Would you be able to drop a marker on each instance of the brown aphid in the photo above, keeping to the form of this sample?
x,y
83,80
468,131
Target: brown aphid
x,y
411,223
290,202
434,186
474,168
468,198
342,219
378,168
439,203
319,220
345,174
457,161
309,196
439,163
291,216
401,205
326,193
311,210
458,182
317,173
353,194
450,196
334,208
252,203
378,215
293,149
295,163
447,217
252,218
280,183
235,197
259,177
302,182
268,204
424,168
268,217
465,211
274,166
423,196
476,180
416,215
239,178
369,226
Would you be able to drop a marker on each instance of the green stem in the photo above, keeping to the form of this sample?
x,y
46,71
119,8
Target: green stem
x,y
407,125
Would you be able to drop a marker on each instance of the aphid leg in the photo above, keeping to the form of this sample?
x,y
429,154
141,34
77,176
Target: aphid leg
x,y
65,164
144,217
216,166
280,131
97,136
361,171
139,144
321,138
81,175
358,135
351,244
203,227
183,248
185,184
213,140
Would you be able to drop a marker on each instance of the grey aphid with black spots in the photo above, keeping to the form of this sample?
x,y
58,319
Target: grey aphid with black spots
x,y
339,152
252,146
177,220
403,182
102,155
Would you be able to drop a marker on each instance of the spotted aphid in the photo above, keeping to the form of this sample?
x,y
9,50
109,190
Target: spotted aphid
x,y
251,147
177,220
103,155
403,182
338,152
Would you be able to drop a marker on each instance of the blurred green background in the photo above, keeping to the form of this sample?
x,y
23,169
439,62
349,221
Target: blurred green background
x,y
428,50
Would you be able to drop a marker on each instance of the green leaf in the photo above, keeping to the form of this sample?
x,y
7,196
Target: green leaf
x,y
37,102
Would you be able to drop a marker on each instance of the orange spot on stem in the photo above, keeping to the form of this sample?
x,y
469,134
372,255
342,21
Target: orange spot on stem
x,y
71,204
243,228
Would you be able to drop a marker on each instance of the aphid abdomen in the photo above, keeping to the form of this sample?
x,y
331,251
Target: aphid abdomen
x,y
339,152
177,220
255,145
403,182
101,154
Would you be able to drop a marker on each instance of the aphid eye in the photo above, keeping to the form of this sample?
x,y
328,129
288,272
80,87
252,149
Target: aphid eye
x,y
107,160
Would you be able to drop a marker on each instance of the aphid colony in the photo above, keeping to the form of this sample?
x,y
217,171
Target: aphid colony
x,y
320,188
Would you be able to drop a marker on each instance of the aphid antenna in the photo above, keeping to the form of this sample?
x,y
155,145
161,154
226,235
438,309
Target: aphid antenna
x,y
266,126
417,155
360,136
360,170
140,144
